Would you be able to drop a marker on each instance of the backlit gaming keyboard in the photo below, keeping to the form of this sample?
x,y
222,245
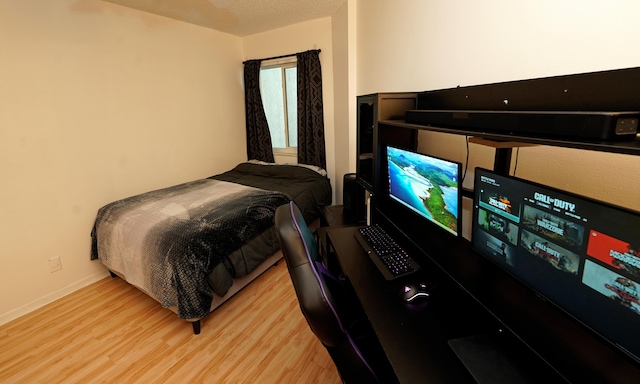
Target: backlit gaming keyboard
x,y
385,253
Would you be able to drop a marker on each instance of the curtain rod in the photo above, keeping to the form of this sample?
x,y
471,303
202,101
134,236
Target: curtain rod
x,y
279,57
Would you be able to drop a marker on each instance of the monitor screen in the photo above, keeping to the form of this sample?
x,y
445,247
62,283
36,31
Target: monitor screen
x,y
425,185
578,253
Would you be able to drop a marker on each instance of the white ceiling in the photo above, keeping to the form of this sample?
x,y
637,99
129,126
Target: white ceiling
x,y
237,17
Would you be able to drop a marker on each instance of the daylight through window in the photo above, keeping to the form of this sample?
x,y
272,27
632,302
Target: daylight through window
x,y
279,97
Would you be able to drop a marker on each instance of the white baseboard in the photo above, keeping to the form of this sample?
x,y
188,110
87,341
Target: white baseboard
x,y
51,297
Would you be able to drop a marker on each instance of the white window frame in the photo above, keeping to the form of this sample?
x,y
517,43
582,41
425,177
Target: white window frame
x,y
283,64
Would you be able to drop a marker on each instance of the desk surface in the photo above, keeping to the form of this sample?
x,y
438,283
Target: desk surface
x,y
415,336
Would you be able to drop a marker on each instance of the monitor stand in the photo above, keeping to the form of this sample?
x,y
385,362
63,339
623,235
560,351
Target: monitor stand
x,y
487,362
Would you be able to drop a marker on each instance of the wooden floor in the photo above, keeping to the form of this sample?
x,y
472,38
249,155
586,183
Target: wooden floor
x,y
109,332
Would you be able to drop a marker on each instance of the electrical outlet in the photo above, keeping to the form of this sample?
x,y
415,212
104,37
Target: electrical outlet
x,y
54,264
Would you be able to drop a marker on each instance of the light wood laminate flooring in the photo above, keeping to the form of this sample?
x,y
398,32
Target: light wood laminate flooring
x,y
109,332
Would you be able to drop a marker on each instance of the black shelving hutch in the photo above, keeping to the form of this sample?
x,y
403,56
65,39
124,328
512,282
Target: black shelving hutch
x,y
574,351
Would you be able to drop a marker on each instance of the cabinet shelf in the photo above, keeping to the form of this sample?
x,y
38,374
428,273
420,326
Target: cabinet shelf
x,y
629,147
565,344
500,144
458,258
373,108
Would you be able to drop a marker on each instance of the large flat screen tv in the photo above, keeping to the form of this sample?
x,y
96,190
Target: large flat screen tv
x,y
580,254
426,186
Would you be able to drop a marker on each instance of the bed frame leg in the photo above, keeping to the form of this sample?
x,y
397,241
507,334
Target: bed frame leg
x,y
196,327
113,274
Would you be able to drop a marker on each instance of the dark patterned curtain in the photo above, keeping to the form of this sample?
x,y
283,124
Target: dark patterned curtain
x,y
258,135
311,149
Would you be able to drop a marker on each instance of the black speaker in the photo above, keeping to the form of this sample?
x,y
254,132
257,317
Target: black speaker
x,y
353,198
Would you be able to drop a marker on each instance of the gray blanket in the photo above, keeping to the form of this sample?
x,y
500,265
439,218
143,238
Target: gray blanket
x,y
166,242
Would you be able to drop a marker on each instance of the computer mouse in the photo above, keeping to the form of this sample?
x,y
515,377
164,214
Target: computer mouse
x,y
414,292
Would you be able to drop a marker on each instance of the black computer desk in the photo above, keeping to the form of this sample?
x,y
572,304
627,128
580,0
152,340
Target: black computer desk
x,y
416,336
412,335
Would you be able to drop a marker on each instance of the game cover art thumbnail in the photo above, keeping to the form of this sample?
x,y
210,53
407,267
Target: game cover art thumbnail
x,y
559,230
501,251
500,204
614,252
498,226
610,284
555,255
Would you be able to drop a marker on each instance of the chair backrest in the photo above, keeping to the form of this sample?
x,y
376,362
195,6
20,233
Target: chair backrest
x,y
317,303
300,251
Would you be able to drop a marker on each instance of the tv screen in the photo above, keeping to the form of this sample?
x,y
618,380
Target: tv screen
x,y
426,185
578,253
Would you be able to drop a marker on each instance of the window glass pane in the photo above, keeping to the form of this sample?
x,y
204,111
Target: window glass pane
x,y
292,104
272,96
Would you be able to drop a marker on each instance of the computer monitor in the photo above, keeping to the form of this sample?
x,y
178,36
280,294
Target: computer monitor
x,y
426,186
580,254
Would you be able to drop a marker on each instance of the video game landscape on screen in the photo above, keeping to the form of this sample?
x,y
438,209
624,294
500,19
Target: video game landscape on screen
x,y
426,185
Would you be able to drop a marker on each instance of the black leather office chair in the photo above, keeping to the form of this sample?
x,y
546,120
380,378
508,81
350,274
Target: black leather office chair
x,y
333,314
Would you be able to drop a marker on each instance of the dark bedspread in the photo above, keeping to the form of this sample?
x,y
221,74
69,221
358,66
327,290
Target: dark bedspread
x,y
308,189
168,242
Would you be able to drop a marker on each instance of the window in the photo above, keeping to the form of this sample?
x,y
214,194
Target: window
x,y
278,85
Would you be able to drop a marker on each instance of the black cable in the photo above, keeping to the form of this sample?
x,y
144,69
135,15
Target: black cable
x,y
466,164
515,166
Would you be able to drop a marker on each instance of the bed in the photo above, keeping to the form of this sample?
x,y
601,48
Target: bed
x,y
192,246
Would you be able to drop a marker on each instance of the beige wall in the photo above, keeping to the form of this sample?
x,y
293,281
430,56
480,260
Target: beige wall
x,y
344,63
315,34
99,102
410,45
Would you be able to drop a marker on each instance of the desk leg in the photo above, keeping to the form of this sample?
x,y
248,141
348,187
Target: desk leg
x,y
330,259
